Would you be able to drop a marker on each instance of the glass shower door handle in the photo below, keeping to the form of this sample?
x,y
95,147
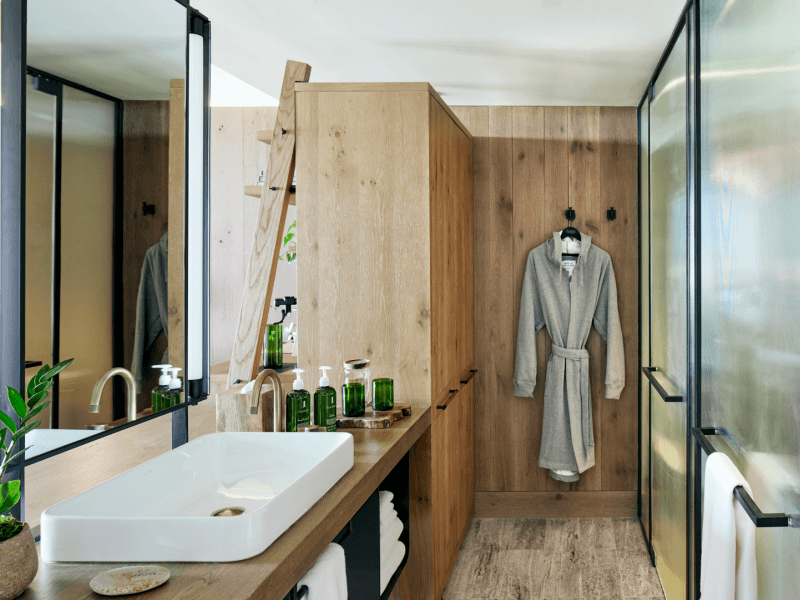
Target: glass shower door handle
x,y
662,385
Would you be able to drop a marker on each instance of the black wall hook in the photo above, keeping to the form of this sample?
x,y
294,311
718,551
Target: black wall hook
x,y
570,214
148,209
611,214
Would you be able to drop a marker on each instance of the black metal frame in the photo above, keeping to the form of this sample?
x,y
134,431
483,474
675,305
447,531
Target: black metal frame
x,y
12,234
689,18
759,518
118,397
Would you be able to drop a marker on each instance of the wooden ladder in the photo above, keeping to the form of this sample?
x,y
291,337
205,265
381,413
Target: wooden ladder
x,y
276,196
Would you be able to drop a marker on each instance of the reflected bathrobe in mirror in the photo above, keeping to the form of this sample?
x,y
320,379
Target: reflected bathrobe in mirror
x,y
568,305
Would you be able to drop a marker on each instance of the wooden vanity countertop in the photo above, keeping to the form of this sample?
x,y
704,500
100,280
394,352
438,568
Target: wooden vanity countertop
x,y
271,574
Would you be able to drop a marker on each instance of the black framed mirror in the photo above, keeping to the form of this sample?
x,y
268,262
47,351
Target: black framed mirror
x,y
104,216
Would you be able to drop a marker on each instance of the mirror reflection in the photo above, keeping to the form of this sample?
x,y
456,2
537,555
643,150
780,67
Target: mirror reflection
x,y
104,210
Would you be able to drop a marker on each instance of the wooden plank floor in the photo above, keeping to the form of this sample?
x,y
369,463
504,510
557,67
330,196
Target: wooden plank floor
x,y
590,559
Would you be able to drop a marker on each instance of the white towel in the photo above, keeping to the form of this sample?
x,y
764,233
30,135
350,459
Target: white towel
x,y
391,564
327,578
728,561
387,520
385,510
390,537
385,497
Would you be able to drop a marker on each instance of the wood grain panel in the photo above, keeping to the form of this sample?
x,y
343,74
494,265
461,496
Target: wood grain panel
x,y
228,241
451,227
145,143
588,160
497,357
620,238
529,228
555,505
177,206
477,120
364,258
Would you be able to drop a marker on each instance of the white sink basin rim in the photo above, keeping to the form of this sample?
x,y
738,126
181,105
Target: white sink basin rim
x,y
161,511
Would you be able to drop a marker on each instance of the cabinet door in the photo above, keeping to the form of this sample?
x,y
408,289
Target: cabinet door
x,y
453,481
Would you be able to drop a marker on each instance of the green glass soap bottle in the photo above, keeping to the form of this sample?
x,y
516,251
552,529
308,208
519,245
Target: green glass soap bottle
x,y
172,397
325,403
298,405
157,403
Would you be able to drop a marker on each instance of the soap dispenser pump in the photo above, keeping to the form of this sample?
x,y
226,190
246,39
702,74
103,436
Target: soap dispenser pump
x,y
325,403
173,396
157,400
298,405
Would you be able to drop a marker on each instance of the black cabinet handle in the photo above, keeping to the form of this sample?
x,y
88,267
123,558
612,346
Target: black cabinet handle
x,y
470,376
667,397
449,398
32,363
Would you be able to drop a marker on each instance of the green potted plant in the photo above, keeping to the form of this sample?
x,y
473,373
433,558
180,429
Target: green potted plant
x,y
18,559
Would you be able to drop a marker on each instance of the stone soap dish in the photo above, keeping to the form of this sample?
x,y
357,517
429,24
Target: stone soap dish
x,y
129,580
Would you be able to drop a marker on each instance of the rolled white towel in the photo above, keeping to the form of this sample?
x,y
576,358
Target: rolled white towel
x,y
385,497
386,510
392,562
387,519
327,578
390,537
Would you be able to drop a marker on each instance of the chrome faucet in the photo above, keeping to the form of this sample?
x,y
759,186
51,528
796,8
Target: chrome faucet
x,y
130,387
277,397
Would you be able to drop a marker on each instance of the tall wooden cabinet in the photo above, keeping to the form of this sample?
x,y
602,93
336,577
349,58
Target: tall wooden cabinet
x,y
384,221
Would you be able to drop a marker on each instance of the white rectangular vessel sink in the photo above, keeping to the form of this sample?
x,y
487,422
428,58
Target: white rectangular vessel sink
x,y
161,511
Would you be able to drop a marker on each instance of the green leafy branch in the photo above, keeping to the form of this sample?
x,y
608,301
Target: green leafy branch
x,y
26,409
289,256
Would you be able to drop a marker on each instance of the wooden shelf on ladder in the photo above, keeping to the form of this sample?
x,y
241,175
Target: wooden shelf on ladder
x,y
264,135
256,190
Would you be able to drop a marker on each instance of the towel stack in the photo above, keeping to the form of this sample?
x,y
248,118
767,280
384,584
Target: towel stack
x,y
392,549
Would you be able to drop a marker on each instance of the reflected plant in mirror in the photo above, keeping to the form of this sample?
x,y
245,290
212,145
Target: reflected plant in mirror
x,y
26,408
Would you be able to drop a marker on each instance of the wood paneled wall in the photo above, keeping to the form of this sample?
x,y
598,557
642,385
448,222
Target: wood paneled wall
x,y
145,143
530,165
237,158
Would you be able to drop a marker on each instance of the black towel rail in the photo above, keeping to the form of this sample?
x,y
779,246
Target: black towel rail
x,y
758,517
666,396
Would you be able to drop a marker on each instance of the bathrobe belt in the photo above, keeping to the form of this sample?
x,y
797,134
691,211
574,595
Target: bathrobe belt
x,y
580,355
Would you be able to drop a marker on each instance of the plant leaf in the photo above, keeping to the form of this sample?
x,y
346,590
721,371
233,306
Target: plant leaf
x,y
38,377
8,461
36,398
25,430
58,368
8,421
9,495
43,386
17,402
289,238
3,438
36,411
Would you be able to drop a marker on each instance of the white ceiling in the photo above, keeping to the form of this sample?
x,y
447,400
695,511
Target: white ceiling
x,y
128,49
505,52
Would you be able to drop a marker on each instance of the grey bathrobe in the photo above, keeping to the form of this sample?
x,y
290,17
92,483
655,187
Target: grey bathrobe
x,y
151,306
568,306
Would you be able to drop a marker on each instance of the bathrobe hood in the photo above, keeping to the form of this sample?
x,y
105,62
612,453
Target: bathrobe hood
x,y
554,248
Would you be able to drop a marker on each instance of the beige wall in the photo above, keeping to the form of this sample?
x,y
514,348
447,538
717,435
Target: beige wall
x,y
237,159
